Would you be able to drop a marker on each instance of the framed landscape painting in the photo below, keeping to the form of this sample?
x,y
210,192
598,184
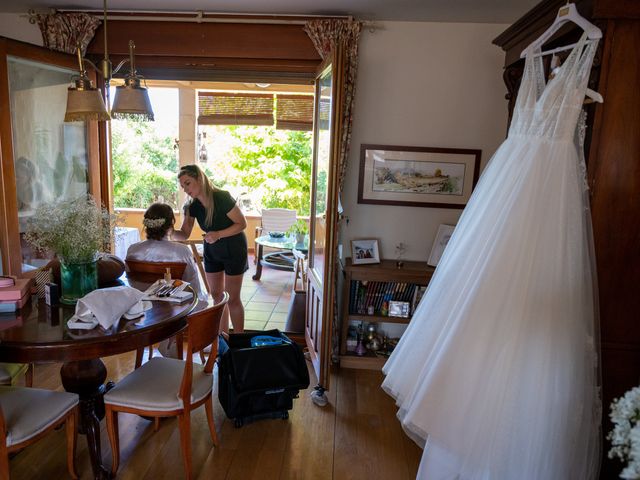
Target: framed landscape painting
x,y
417,176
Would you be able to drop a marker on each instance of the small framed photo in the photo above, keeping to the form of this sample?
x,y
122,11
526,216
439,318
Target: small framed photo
x,y
399,309
441,241
364,251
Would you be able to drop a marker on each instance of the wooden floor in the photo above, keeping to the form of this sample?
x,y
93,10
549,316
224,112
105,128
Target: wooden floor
x,y
356,436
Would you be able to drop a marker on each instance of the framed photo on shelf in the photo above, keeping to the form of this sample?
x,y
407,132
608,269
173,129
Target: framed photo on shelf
x,y
442,239
417,176
364,251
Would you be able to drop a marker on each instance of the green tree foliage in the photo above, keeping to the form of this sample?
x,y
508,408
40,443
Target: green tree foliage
x,y
262,166
274,165
144,165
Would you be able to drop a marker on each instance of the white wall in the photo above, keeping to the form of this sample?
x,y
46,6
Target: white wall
x,y
17,26
422,84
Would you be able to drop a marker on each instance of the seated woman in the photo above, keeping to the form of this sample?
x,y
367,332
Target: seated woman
x,y
158,225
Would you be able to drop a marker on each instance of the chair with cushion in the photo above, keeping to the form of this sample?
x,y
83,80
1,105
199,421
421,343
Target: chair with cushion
x,y
275,222
149,272
167,387
9,372
27,414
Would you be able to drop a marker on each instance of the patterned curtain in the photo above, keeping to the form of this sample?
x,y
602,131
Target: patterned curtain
x,y
63,31
327,35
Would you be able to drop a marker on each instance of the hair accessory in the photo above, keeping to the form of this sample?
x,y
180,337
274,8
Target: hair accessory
x,y
153,222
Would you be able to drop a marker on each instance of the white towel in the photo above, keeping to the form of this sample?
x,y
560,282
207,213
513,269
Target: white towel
x,y
105,307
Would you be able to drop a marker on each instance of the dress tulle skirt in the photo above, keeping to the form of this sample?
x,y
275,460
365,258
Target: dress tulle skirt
x,y
497,371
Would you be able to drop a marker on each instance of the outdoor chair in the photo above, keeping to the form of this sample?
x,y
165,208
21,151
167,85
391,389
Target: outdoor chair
x,y
275,221
167,387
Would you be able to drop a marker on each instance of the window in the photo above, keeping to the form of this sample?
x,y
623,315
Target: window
x,y
145,154
255,145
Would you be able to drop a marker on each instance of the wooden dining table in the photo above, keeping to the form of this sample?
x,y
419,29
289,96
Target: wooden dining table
x,y
39,333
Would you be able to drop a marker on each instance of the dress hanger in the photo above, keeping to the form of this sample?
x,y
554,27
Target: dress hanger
x,y
592,95
566,13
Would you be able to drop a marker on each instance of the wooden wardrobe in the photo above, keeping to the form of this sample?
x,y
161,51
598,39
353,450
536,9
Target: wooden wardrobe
x,y
613,164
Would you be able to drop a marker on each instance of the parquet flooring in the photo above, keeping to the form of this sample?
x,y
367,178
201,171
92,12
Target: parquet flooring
x,y
356,436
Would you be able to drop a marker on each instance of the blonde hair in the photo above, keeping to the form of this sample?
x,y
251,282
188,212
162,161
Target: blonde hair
x,y
195,172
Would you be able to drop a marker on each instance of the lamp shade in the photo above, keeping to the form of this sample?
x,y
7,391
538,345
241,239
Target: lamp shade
x,y
132,99
85,104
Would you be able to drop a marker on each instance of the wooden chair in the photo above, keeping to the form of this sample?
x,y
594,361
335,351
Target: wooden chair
x,y
9,372
27,414
166,387
197,256
149,272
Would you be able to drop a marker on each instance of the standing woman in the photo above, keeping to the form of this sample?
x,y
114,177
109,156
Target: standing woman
x,y
225,244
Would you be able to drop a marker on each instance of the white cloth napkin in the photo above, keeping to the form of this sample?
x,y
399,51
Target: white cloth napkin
x,y
105,306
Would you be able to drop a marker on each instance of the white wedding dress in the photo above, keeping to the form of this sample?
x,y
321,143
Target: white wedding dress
x,y
497,373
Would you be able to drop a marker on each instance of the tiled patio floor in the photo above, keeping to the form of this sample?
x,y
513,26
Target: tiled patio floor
x,y
266,301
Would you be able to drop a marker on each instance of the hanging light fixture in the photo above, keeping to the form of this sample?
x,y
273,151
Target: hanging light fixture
x,y
130,100
203,154
84,101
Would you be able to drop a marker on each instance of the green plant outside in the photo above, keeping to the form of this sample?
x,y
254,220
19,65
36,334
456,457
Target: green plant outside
x,y
144,165
262,167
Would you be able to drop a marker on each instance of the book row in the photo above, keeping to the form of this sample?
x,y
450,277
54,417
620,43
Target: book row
x,y
372,298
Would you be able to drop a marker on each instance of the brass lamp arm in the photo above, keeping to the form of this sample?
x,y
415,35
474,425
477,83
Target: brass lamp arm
x,y
120,65
131,60
83,61
107,74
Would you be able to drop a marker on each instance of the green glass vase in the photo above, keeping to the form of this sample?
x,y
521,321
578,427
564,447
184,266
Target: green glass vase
x,y
77,280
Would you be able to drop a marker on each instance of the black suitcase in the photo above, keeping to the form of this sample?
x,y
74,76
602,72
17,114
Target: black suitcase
x,y
259,382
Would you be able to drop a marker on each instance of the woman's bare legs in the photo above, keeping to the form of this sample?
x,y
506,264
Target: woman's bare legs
x,y
233,284
219,282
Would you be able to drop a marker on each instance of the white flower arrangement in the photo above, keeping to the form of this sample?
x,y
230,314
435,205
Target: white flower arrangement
x,y
625,436
153,222
76,230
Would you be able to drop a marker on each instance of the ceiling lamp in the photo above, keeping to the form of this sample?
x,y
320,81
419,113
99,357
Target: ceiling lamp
x,y
84,101
132,98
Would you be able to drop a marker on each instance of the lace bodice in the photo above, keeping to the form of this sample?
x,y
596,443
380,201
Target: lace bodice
x,y
551,109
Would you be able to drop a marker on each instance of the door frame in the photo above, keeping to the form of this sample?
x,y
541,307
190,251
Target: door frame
x,y
320,348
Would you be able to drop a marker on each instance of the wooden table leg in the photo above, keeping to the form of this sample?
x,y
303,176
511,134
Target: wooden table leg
x,y
258,264
86,378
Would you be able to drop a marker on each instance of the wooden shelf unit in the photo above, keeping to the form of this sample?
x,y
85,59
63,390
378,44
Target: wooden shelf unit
x,y
418,273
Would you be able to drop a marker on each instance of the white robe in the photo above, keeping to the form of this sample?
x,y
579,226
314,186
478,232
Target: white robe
x,y
167,251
